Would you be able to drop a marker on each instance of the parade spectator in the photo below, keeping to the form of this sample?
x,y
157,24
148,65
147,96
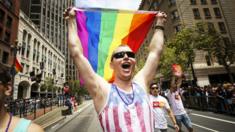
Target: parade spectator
x,y
8,122
160,106
176,103
124,104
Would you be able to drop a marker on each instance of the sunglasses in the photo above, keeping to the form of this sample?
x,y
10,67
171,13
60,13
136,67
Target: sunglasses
x,y
119,55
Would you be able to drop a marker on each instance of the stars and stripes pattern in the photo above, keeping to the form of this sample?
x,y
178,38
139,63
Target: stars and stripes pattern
x,y
119,117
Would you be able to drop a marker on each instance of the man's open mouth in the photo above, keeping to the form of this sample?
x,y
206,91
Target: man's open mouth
x,y
126,65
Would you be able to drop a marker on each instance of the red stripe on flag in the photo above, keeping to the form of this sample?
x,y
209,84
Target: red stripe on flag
x,y
18,66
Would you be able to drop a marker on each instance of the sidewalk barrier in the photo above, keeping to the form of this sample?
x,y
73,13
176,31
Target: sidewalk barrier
x,y
31,108
209,103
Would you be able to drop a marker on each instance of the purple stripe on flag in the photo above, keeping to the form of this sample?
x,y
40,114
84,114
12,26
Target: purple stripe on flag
x,y
82,31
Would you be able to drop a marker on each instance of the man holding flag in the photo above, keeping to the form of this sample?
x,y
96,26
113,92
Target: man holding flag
x,y
122,105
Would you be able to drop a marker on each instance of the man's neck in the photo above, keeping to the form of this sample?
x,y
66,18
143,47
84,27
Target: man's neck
x,y
124,85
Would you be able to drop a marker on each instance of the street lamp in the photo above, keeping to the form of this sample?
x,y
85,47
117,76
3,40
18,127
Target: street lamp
x,y
14,48
54,81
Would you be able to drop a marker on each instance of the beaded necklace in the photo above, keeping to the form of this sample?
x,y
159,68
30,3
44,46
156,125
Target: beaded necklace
x,y
132,99
9,122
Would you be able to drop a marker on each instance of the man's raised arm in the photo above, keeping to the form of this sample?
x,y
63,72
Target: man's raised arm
x,y
147,73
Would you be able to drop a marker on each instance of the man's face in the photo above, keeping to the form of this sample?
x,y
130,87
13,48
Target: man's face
x,y
154,90
123,62
2,94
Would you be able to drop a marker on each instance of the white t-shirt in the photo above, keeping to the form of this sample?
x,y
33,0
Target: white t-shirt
x,y
159,104
176,103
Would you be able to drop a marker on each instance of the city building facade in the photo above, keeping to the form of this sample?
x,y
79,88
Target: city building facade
x,y
40,59
48,16
217,14
9,19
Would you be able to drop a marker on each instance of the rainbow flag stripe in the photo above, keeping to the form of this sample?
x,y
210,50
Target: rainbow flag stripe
x,y
18,67
102,30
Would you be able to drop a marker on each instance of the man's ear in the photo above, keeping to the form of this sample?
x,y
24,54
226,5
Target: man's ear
x,y
8,90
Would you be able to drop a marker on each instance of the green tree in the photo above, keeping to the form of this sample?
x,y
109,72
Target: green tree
x,y
217,45
170,57
181,50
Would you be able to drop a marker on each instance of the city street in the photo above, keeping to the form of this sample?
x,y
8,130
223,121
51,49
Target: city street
x,y
85,120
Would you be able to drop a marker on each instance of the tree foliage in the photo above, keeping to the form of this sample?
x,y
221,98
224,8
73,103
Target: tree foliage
x,y
181,48
218,46
76,89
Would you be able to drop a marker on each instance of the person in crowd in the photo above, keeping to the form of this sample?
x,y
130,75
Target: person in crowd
x,y
174,97
124,104
8,122
160,106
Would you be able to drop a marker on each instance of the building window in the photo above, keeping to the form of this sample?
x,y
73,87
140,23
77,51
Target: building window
x,y
1,30
196,13
193,2
177,28
28,51
174,15
23,48
8,4
211,27
5,57
217,12
203,2
213,2
222,27
2,14
226,41
172,2
207,13
9,22
208,60
7,37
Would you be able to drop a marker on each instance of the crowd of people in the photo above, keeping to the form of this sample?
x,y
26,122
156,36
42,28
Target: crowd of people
x,y
218,97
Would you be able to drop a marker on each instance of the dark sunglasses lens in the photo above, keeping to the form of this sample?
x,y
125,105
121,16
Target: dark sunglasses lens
x,y
119,55
122,54
130,54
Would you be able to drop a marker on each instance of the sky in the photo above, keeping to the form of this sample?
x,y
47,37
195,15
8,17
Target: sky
x,y
110,4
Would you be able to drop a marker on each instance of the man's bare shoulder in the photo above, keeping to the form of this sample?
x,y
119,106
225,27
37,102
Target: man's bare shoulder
x,y
35,128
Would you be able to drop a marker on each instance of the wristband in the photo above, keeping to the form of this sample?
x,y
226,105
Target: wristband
x,y
159,27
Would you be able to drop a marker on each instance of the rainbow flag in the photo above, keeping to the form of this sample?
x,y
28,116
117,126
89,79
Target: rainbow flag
x,y
18,67
103,30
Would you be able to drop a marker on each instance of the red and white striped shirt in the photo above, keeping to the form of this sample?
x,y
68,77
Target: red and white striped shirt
x,y
117,116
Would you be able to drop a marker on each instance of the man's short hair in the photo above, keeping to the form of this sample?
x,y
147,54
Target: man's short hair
x,y
5,75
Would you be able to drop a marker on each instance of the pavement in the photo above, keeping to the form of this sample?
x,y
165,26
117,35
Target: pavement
x,y
50,117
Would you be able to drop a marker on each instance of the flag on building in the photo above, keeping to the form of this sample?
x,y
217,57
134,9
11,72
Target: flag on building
x,y
102,30
18,66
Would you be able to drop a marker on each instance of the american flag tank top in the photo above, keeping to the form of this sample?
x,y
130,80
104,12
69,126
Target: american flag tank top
x,y
117,116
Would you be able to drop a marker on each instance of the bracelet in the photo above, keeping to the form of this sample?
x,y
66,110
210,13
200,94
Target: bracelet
x,y
159,27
